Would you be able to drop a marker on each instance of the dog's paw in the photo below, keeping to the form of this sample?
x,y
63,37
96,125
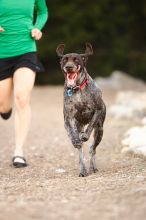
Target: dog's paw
x,y
84,137
77,144
83,174
93,170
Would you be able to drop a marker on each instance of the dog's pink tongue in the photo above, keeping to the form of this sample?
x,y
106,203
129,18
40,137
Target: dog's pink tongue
x,y
70,79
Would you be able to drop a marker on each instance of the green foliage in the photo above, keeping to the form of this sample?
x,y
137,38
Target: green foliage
x,y
116,29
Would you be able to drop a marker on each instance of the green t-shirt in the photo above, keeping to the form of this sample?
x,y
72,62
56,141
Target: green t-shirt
x,y
16,18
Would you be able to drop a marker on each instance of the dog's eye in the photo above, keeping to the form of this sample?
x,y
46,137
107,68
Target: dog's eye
x,y
65,60
76,60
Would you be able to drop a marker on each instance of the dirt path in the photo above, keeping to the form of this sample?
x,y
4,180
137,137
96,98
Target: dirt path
x,y
116,192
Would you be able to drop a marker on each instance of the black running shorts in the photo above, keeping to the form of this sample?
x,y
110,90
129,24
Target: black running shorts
x,y
9,65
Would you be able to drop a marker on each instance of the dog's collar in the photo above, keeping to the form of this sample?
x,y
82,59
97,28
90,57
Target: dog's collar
x,y
85,82
71,90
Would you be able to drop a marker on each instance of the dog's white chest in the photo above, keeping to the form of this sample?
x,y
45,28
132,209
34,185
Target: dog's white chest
x,y
78,97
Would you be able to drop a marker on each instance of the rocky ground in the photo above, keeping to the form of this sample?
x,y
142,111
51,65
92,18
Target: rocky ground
x,y
49,188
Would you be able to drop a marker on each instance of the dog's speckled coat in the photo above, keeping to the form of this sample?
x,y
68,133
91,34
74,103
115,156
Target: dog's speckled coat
x,y
84,107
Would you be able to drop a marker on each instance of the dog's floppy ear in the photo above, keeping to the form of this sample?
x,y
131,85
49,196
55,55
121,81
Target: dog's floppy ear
x,y
88,52
89,49
60,50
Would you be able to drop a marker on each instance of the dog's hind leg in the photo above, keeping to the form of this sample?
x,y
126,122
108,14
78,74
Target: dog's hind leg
x,y
98,133
83,171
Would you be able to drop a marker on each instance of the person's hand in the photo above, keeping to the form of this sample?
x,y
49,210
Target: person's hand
x,y
36,34
1,29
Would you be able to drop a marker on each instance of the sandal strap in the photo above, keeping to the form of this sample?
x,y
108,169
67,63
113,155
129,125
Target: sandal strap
x,y
20,157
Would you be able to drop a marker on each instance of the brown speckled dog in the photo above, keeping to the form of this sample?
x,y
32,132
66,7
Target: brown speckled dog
x,y
83,104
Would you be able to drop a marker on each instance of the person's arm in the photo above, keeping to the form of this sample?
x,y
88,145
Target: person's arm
x,y
42,14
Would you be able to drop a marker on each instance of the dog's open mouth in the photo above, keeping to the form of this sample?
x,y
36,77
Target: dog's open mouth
x,y
71,77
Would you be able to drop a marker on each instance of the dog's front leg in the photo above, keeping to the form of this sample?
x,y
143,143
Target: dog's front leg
x,y
83,170
73,132
85,135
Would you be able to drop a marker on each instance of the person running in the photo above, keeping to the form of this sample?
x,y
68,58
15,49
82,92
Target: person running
x,y
19,30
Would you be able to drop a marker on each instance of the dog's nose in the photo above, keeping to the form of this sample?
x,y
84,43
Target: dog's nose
x,y
69,67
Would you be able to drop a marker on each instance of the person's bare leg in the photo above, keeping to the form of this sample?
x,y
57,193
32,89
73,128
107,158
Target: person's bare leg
x,y
23,80
6,88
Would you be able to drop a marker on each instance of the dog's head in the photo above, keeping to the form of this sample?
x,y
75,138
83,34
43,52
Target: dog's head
x,y
72,64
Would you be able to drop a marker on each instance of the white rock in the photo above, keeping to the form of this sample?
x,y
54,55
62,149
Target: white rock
x,y
60,170
135,140
121,81
129,104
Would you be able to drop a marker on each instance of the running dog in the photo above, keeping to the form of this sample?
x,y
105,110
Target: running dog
x,y
83,104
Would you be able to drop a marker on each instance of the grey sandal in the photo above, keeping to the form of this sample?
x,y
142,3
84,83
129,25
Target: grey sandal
x,y
19,164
